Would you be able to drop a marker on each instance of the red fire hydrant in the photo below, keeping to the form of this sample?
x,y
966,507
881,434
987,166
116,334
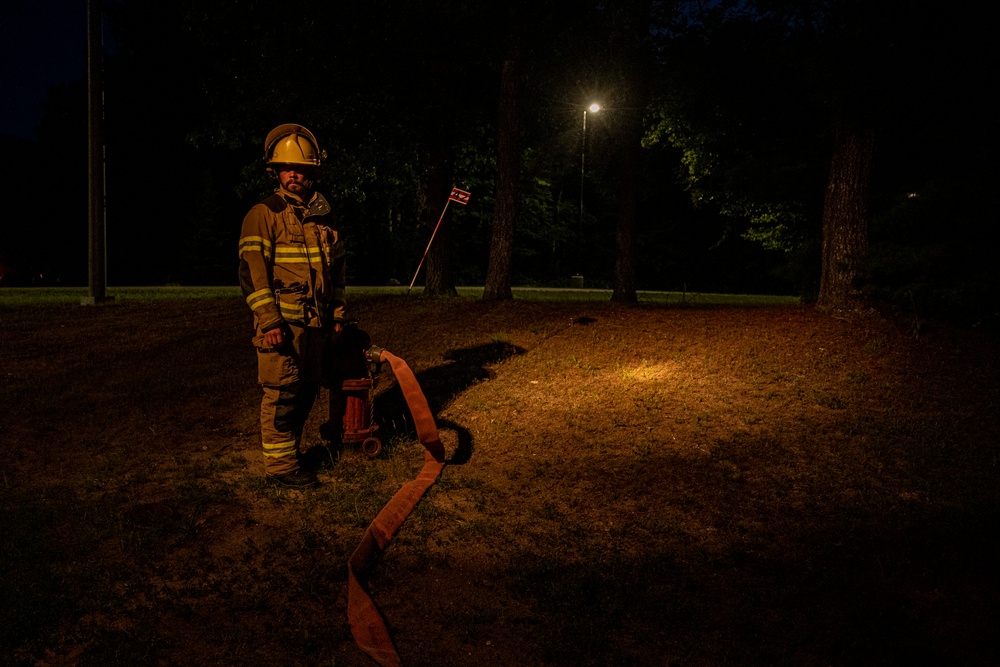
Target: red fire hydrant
x,y
350,367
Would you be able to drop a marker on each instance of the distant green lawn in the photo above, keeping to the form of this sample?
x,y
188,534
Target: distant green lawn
x,y
11,297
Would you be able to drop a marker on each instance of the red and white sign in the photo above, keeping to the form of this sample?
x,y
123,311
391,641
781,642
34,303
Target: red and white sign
x,y
460,196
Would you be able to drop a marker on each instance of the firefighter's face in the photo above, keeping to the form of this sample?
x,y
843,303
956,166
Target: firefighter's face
x,y
296,178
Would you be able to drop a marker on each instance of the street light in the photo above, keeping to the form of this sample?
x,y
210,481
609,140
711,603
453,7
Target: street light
x,y
593,108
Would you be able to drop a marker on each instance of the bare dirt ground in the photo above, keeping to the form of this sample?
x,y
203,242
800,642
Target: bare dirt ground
x,y
626,486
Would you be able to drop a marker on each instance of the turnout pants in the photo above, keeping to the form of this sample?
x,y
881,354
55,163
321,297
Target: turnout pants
x,y
289,377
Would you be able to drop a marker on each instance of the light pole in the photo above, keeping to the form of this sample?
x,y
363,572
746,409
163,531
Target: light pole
x,y
593,108
96,218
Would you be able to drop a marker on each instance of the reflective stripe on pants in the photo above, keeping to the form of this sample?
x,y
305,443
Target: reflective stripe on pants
x,y
290,380
283,414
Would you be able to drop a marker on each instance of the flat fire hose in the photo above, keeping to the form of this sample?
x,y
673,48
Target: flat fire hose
x,y
367,624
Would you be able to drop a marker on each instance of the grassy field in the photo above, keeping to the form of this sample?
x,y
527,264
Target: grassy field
x,y
11,297
696,480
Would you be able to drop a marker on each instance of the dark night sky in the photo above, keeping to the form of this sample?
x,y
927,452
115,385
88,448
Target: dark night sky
x,y
42,43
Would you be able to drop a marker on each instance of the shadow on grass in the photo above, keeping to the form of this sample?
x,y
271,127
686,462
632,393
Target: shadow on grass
x,y
440,384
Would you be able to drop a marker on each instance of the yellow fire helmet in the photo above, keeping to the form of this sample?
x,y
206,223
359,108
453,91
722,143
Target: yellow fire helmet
x,y
292,144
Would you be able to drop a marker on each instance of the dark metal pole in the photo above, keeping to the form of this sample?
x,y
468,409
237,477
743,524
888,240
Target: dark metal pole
x,y
97,280
583,159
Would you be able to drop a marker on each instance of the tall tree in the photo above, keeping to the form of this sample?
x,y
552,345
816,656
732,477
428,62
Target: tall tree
x,y
845,219
498,274
631,53
537,39
816,82
445,82
624,288
854,41
437,183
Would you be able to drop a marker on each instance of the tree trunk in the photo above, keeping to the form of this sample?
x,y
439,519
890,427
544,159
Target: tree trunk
x,y
631,43
845,219
440,279
624,290
498,272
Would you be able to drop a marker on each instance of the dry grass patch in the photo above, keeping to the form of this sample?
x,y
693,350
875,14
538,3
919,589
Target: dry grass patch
x,y
633,486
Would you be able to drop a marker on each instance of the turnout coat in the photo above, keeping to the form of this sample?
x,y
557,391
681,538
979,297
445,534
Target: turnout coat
x,y
292,262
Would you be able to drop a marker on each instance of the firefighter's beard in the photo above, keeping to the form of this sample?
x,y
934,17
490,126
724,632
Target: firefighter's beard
x,y
301,188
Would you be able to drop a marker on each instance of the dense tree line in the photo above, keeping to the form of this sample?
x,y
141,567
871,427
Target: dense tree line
x,y
837,149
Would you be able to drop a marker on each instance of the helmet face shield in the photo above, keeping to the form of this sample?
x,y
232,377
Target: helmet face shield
x,y
292,144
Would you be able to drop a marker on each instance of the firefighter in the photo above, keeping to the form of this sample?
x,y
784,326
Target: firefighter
x,y
292,273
